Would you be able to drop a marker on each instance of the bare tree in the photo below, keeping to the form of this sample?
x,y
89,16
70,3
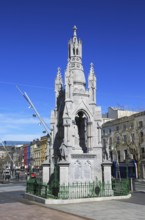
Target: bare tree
x,y
129,140
4,161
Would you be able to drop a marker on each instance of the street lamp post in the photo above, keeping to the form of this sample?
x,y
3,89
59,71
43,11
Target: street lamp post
x,y
49,143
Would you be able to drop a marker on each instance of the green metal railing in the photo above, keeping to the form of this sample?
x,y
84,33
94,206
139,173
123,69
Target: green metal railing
x,y
85,190
36,187
120,187
77,190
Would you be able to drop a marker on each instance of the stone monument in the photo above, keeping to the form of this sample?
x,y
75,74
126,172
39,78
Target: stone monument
x,y
76,122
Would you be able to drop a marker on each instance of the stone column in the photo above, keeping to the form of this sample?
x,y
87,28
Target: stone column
x,y
107,172
63,172
89,136
106,165
46,172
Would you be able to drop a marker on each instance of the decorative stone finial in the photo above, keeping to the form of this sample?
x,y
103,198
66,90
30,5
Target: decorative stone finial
x,y
75,31
58,70
59,78
91,68
92,65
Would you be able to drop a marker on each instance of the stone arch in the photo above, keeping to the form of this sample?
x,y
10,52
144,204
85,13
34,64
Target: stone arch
x,y
81,120
85,112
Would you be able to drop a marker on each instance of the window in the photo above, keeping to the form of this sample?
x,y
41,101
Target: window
x,y
141,137
117,128
140,123
125,154
142,150
118,140
132,137
124,127
110,141
125,138
110,131
132,125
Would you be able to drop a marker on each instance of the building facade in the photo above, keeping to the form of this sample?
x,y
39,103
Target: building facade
x,y
124,140
43,148
114,113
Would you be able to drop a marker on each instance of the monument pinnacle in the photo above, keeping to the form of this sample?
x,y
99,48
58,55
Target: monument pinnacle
x,y
75,31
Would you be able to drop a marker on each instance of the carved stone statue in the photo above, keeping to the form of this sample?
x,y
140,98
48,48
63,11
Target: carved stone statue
x,y
105,154
105,151
63,151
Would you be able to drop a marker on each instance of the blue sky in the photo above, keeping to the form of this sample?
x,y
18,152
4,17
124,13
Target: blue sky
x,y
34,38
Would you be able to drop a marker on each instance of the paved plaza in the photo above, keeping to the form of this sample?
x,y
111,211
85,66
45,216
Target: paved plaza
x,y
130,209
13,206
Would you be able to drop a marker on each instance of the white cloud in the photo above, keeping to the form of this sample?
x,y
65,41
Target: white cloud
x,y
19,119
20,127
21,137
16,119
